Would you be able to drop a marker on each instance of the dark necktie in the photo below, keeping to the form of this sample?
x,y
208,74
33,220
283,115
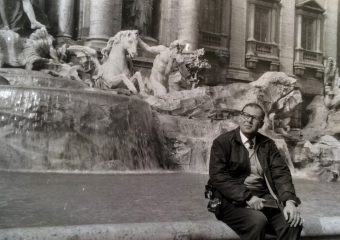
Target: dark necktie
x,y
251,144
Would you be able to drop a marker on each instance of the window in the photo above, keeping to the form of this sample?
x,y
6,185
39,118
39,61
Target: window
x,y
262,44
214,25
308,33
262,21
211,16
308,49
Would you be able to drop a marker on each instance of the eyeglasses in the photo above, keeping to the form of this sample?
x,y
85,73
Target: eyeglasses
x,y
250,117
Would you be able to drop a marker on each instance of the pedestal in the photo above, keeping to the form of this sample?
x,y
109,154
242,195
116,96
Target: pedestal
x,y
61,16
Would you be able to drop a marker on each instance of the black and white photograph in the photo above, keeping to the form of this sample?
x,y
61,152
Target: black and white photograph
x,y
169,119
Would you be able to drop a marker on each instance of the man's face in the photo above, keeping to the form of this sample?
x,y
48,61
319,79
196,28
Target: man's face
x,y
251,120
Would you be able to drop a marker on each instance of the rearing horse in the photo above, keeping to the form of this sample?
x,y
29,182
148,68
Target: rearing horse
x,y
114,69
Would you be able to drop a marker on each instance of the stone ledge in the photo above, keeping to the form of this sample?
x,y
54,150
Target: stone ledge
x,y
315,228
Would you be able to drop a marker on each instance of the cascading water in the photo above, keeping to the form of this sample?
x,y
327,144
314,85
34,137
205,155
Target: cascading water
x,y
66,129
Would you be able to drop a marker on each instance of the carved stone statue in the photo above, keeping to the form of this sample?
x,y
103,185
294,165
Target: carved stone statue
x,y
279,115
76,62
195,64
114,71
14,15
330,72
81,63
331,84
163,64
137,14
17,51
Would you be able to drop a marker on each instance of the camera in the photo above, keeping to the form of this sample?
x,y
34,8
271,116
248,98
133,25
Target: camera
x,y
214,203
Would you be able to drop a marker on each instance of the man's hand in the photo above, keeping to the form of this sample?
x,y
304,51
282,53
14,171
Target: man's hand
x,y
256,203
292,214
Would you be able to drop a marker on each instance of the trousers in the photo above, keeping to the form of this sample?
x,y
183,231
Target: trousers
x,y
251,224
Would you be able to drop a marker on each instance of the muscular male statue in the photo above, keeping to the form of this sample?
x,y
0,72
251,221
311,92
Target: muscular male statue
x,y
163,64
12,17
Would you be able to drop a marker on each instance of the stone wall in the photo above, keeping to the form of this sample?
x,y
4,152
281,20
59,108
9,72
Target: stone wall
x,y
66,129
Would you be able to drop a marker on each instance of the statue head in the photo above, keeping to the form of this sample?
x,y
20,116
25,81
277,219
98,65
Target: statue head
x,y
179,44
331,60
128,39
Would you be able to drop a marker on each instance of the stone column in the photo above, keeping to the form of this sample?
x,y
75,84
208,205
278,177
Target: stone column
x,y
251,22
61,17
83,23
318,35
251,44
299,31
188,22
105,21
299,68
273,26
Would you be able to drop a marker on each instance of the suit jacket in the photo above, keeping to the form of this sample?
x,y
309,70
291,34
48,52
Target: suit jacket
x,y
230,165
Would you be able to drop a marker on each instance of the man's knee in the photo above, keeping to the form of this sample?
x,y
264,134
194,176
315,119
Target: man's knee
x,y
294,233
286,232
257,220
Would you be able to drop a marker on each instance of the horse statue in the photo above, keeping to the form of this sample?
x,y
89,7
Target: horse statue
x,y
114,69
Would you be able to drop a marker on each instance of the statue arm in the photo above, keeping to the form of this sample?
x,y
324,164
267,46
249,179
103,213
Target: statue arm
x,y
151,49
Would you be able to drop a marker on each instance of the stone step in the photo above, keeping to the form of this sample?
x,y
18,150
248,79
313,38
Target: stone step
x,y
314,228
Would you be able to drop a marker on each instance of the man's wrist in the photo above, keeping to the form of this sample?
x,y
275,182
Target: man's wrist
x,y
291,202
248,198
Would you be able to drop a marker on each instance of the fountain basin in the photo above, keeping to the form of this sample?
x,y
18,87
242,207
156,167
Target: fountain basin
x,y
27,78
68,129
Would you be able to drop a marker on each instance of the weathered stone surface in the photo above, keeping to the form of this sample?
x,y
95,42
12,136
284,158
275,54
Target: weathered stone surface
x,y
27,78
183,103
202,101
317,114
63,129
190,120
333,121
187,141
28,52
272,86
322,159
283,148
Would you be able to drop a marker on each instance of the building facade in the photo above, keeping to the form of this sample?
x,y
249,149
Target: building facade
x,y
242,38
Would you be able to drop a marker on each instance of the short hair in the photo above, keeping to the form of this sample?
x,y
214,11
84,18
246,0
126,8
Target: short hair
x,y
177,43
255,105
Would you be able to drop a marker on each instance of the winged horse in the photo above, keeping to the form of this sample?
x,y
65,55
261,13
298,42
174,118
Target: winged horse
x,y
114,70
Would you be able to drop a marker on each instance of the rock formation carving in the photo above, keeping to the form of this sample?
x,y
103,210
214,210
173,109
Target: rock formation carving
x,y
279,95
17,51
191,119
